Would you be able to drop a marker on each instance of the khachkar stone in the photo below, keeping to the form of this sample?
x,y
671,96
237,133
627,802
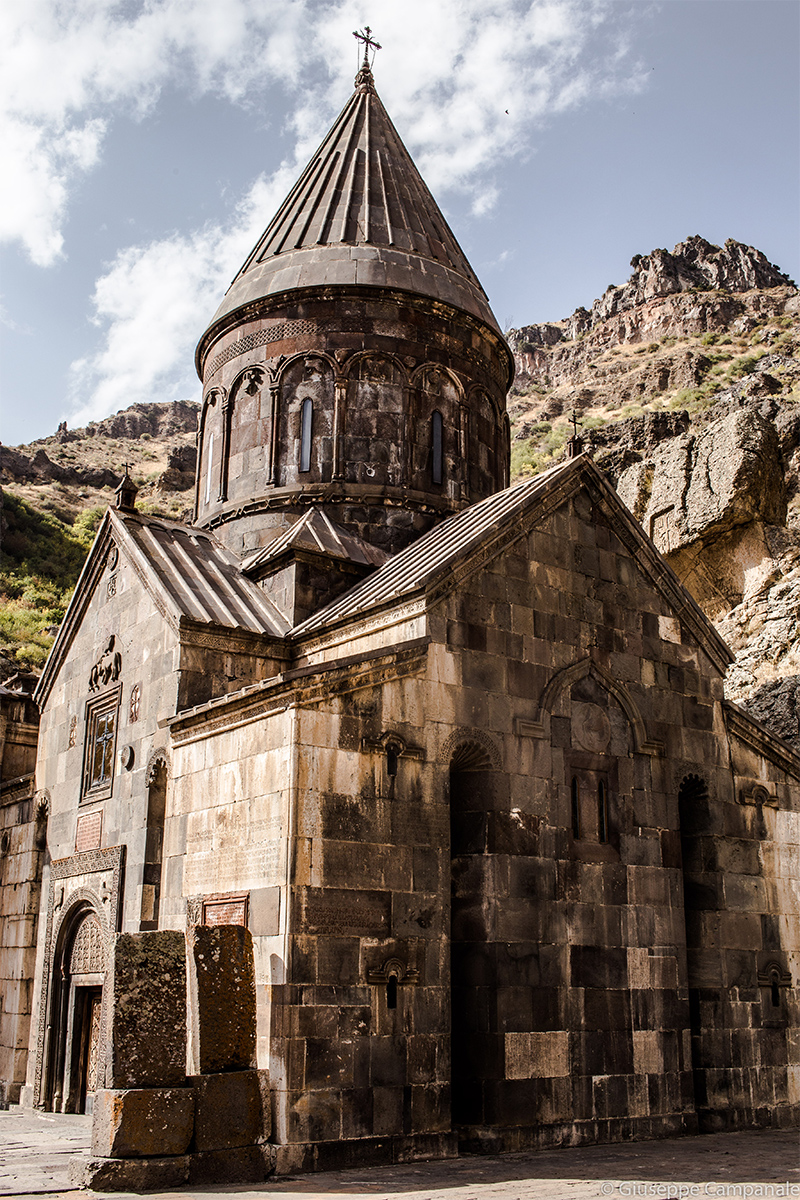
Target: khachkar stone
x,y
148,1011
223,998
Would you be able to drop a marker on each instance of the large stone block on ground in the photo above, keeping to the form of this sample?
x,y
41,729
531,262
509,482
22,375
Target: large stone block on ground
x,y
148,1011
147,1175
223,998
142,1122
231,1110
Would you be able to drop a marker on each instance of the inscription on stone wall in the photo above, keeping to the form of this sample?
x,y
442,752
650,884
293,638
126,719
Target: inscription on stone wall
x,y
214,859
341,912
87,834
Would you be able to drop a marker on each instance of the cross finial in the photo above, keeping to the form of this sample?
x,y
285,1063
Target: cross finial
x,y
574,420
366,37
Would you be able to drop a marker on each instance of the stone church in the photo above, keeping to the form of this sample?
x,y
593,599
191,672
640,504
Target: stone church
x,y
445,764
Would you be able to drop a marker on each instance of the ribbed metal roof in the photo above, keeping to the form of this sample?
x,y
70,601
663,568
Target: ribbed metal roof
x,y
201,578
316,533
360,215
436,552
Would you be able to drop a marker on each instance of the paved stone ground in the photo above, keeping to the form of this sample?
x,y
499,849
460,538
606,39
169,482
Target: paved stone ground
x,y
35,1149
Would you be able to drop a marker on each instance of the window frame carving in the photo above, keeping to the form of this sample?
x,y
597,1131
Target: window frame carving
x,y
96,709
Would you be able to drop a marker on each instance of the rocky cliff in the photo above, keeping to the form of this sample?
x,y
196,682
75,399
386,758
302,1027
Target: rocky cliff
x,y
686,385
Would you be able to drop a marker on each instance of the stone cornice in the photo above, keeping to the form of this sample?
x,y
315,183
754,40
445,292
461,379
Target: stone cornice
x,y
302,687
266,305
753,734
387,496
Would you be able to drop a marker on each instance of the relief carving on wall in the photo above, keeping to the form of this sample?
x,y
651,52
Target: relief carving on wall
x,y
108,667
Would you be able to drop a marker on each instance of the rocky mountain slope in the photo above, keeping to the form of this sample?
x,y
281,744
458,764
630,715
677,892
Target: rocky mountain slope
x,y
685,385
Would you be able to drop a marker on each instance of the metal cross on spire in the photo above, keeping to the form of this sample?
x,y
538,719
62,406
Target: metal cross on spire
x,y
369,42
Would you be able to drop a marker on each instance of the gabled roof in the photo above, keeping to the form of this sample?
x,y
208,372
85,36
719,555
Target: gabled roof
x,y
359,215
189,574
442,557
316,533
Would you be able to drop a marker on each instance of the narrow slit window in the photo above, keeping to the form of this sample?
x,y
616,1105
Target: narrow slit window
x,y
602,811
305,434
776,995
437,464
391,992
576,808
209,464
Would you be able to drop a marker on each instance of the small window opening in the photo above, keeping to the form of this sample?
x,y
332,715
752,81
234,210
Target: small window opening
x,y
776,994
391,992
438,455
392,755
209,463
602,811
576,808
305,434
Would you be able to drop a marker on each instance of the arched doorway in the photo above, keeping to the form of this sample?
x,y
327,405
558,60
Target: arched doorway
x,y
74,1057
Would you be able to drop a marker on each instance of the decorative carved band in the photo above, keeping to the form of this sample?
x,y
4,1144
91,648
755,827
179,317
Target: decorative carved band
x,y
262,337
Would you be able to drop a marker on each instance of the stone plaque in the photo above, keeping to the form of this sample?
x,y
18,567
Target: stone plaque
x,y
87,834
225,910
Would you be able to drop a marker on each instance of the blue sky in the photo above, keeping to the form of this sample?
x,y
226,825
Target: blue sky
x,y
147,145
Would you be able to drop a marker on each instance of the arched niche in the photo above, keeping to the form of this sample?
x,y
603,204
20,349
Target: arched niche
x,y
438,396
246,426
309,378
156,780
209,449
374,433
486,444
562,683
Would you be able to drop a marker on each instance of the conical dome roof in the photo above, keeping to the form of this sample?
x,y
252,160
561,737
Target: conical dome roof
x,y
360,216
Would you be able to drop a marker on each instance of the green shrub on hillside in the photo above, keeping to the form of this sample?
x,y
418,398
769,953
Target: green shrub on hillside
x,y
40,560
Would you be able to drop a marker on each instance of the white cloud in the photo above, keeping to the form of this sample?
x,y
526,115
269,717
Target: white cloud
x,y
153,300
466,81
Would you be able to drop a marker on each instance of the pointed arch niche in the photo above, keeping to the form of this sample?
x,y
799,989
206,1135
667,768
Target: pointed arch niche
x,y
566,678
306,407
598,726
374,441
440,432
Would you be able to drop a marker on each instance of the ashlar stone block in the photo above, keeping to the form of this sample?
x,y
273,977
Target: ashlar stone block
x,y
222,998
142,1122
231,1109
148,1010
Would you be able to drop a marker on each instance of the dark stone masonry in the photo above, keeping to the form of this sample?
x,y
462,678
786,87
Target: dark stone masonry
x,y
390,811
